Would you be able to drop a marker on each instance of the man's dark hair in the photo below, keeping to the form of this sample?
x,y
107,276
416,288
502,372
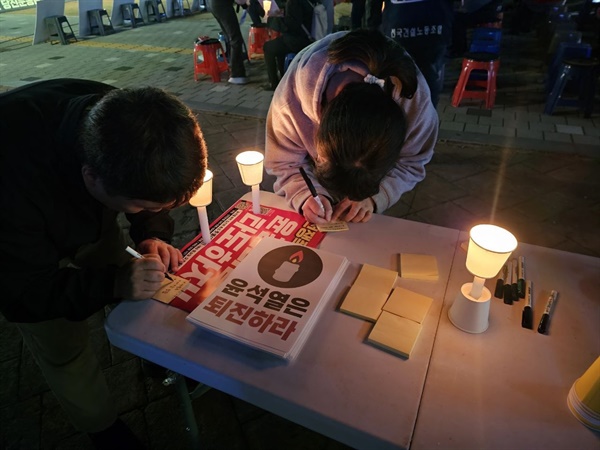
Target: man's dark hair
x,y
362,129
146,144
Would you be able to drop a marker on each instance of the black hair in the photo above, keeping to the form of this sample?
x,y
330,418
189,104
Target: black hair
x,y
361,133
145,144
362,129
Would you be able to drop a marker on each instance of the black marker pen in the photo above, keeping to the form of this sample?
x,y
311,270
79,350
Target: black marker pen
x,y
527,317
521,277
514,281
508,296
543,326
499,291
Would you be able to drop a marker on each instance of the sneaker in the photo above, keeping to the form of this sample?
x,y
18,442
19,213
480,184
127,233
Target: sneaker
x,y
238,80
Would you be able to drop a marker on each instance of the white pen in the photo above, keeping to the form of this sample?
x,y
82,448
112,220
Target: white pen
x,y
138,255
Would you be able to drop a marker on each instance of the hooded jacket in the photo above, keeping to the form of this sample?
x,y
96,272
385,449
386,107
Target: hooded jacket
x,y
295,114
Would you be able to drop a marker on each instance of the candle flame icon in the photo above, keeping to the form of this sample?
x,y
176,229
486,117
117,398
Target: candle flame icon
x,y
297,257
288,269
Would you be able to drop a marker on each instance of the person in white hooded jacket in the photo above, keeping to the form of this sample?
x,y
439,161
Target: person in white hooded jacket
x,y
354,111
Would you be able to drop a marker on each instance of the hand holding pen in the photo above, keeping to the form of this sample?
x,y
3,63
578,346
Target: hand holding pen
x,y
140,278
137,255
315,209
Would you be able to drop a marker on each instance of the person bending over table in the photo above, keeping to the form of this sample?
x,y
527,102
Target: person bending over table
x,y
354,111
75,153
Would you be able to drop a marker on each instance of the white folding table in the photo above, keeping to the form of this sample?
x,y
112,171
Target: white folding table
x,y
504,388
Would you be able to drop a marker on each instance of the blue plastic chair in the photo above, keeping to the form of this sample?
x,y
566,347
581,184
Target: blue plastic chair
x,y
288,60
572,36
486,40
565,50
583,73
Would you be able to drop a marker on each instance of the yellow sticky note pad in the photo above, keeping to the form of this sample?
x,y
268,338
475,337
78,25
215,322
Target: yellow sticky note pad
x,y
369,292
337,225
169,289
394,333
408,304
420,267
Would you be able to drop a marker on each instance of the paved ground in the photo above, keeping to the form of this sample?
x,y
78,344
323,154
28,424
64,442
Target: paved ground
x,y
535,174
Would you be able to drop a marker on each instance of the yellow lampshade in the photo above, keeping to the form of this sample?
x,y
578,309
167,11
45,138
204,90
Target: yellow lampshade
x,y
489,248
203,196
250,164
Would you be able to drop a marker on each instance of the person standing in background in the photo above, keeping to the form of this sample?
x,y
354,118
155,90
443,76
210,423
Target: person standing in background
x,y
224,13
424,28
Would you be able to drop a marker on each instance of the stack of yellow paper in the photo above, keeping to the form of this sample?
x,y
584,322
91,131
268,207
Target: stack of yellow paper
x,y
400,323
420,267
369,292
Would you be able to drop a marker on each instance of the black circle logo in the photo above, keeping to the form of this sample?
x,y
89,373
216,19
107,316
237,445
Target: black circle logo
x,y
290,266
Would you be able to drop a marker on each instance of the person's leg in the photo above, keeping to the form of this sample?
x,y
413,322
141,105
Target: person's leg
x,y
429,56
357,13
459,34
225,14
373,8
62,351
256,12
275,51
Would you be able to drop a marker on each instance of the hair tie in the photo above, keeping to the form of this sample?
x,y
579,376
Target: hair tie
x,y
372,79
396,91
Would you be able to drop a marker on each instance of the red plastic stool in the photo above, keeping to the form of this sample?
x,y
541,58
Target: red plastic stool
x,y
209,59
487,62
257,38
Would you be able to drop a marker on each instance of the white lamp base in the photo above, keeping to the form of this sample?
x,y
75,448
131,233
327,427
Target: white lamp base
x,y
204,227
256,199
470,314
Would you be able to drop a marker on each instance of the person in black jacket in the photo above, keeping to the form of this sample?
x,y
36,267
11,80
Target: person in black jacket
x,y
424,29
76,153
295,35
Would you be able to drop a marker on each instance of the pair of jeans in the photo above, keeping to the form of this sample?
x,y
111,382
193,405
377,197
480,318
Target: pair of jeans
x,y
224,13
275,51
430,58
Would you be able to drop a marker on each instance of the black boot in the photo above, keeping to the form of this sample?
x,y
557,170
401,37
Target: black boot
x,y
116,437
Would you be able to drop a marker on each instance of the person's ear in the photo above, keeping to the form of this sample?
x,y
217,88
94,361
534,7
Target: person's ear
x,y
89,175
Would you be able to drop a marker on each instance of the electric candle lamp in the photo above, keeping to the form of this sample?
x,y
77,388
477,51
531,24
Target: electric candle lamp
x,y
267,6
489,248
201,199
250,164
